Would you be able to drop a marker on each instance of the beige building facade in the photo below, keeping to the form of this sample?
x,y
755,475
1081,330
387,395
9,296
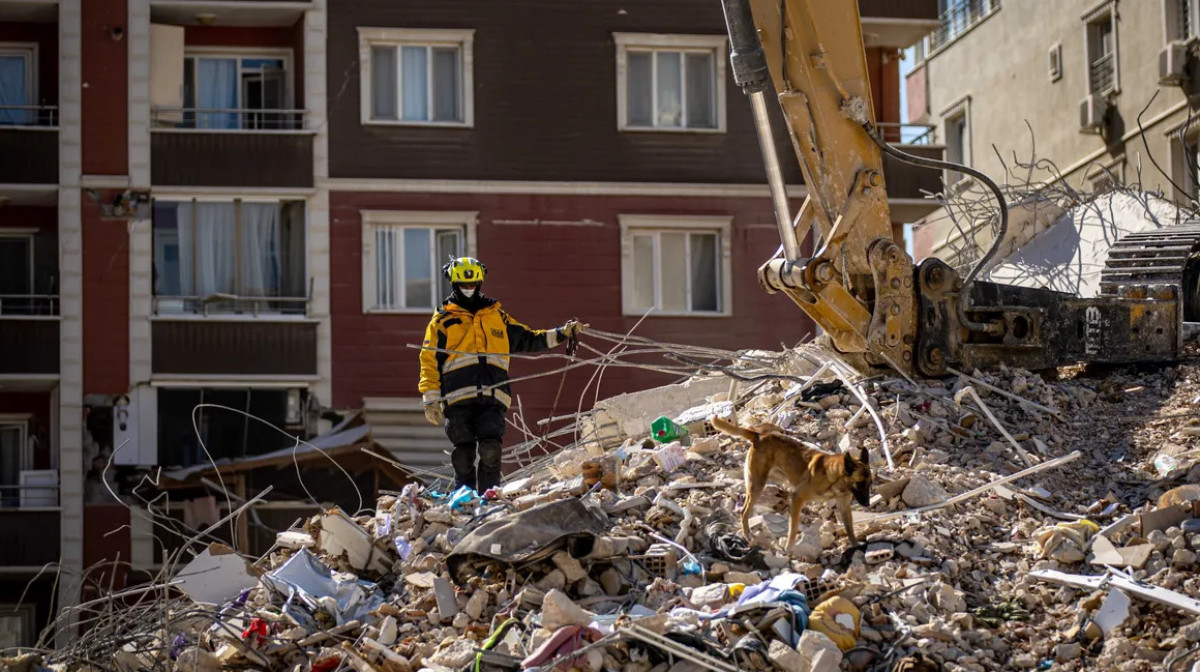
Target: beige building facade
x,y
1081,73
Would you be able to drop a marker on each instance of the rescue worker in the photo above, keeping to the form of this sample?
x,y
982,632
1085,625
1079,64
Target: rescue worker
x,y
464,370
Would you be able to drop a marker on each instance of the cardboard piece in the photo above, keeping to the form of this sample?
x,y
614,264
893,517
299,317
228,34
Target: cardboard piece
x,y
1161,519
1105,553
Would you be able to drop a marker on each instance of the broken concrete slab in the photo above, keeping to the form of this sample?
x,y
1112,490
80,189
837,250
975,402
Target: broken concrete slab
x,y
341,535
215,576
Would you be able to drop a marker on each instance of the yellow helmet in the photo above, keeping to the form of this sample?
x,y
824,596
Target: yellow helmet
x,y
465,270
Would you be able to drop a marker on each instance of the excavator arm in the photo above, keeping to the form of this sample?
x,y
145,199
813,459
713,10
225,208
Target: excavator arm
x,y
862,289
858,283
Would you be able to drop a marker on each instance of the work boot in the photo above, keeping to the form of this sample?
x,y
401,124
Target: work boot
x,y
463,460
489,465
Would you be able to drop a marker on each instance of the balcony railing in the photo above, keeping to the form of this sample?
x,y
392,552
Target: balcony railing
x,y
38,495
958,17
230,304
29,115
1102,74
226,119
908,134
26,305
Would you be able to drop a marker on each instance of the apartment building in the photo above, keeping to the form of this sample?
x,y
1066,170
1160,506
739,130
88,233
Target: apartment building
x,y
1083,74
246,204
606,170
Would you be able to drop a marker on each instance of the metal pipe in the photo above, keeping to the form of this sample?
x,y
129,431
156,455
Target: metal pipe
x,y
766,142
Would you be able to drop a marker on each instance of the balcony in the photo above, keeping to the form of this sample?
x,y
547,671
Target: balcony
x,y
907,185
28,343
958,18
897,23
28,144
28,537
232,347
239,13
209,147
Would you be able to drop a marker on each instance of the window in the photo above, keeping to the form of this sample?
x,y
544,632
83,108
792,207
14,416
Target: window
x,y
675,265
956,123
244,92
15,457
1101,44
16,273
17,626
229,256
670,82
412,76
18,84
1055,62
955,17
1179,19
403,255
262,426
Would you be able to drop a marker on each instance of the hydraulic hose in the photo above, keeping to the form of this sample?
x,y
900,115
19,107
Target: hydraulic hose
x,y
965,295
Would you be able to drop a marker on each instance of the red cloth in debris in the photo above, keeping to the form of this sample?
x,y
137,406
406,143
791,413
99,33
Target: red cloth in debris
x,y
258,629
564,640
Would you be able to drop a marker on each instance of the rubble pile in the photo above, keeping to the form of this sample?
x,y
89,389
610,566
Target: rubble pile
x,y
1022,524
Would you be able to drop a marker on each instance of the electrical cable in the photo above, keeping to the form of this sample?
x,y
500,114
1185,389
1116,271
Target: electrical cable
x,y
997,241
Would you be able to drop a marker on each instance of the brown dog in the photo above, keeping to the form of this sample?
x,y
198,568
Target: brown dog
x,y
813,474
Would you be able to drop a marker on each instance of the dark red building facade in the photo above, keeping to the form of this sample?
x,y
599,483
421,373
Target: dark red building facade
x,y
246,204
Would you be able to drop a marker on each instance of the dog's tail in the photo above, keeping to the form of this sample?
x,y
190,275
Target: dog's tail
x,y
726,427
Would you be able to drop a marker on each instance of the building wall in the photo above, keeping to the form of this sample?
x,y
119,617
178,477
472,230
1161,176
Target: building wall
x,y
105,89
1006,92
545,108
105,303
545,275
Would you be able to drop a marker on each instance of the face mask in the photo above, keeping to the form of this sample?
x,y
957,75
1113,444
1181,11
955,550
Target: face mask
x,y
467,292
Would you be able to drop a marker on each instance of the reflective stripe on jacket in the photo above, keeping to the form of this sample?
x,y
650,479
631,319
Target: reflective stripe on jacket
x,y
468,352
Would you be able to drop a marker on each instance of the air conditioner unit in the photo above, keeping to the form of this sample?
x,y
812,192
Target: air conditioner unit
x,y
1173,63
1093,110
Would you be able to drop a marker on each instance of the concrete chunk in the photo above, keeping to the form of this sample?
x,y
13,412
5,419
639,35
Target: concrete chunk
x,y
558,610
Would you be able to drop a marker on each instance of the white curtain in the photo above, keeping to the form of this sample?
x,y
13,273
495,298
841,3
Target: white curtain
x,y
217,88
414,78
207,239
260,249
14,89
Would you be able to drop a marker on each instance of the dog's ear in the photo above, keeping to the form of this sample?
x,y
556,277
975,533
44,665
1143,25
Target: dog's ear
x,y
848,462
863,455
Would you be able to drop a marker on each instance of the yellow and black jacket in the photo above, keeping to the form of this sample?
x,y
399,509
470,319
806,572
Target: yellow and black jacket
x,y
489,334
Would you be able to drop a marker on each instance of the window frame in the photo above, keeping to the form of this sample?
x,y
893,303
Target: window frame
x,y
241,53
27,614
372,220
1104,11
717,44
270,315
30,236
1171,20
959,109
464,39
30,51
25,459
721,225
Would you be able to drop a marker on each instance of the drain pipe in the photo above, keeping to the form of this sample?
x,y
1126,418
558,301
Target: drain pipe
x,y
749,65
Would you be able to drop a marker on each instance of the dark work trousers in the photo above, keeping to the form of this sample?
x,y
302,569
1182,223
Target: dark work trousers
x,y
470,423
